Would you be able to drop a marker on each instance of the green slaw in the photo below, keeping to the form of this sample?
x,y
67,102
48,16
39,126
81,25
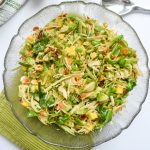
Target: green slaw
x,y
77,73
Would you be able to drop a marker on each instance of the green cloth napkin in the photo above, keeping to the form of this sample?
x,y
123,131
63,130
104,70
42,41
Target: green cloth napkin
x,y
11,128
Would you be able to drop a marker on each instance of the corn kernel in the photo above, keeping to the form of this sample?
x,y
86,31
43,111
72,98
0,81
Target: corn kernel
x,y
70,51
25,104
31,38
119,89
61,36
89,128
92,115
93,55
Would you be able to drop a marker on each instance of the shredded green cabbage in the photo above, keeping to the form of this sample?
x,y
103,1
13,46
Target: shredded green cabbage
x,y
77,73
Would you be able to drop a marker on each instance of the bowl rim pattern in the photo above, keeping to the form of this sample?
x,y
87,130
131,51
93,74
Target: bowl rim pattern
x,y
5,70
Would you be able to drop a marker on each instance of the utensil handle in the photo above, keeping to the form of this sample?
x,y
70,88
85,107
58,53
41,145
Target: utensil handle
x,y
141,9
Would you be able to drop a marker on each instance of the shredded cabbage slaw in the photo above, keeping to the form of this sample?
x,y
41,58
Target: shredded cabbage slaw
x,y
77,73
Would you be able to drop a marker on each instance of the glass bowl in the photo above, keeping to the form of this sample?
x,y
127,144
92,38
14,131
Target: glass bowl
x,y
58,137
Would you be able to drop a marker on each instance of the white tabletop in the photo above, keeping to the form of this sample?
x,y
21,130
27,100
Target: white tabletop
x,y
137,136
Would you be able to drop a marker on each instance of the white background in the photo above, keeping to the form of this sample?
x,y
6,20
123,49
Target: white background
x,y
137,136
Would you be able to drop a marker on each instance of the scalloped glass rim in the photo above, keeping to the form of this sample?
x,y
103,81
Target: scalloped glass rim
x,y
121,120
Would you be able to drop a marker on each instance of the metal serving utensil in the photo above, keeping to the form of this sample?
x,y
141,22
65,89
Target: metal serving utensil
x,y
123,7
2,2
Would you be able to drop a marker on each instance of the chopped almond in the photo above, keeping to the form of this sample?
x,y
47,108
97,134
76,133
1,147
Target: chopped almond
x,y
29,53
60,106
66,71
89,128
85,62
25,80
69,60
47,49
105,49
36,29
102,78
35,82
40,34
47,30
38,67
44,113
84,95
82,117
76,80
124,51
118,108
114,56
